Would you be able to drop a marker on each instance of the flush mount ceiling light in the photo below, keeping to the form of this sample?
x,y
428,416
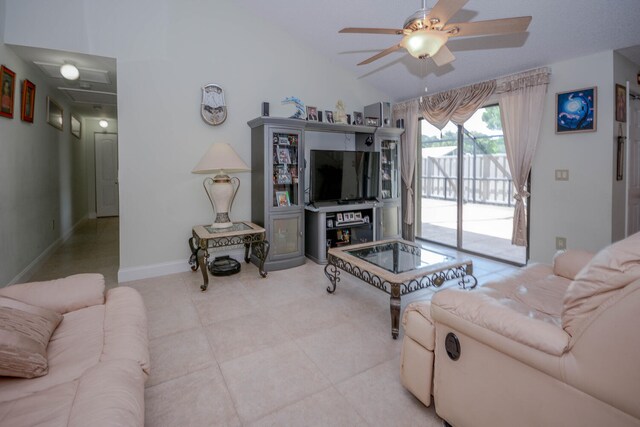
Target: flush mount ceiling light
x,y
426,32
69,71
103,124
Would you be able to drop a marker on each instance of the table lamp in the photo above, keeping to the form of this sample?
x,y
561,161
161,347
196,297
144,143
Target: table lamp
x,y
221,159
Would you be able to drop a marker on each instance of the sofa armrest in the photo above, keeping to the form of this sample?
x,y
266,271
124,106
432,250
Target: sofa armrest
x,y
60,295
568,263
505,317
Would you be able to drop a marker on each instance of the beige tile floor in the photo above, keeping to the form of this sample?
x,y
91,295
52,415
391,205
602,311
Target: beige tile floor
x,y
279,351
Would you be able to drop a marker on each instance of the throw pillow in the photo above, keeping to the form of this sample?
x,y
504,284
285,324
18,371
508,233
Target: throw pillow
x,y
25,331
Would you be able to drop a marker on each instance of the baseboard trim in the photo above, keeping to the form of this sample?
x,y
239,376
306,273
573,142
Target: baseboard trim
x,y
28,271
162,269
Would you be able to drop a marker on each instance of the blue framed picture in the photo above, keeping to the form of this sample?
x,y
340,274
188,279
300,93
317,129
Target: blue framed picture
x,y
576,111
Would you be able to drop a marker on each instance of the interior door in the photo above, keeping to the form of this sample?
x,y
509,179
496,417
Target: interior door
x,y
107,195
633,178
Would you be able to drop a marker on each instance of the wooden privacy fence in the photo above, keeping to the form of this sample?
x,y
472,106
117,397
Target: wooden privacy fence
x,y
486,180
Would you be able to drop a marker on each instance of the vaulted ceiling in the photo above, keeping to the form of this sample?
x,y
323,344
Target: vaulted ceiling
x,y
559,30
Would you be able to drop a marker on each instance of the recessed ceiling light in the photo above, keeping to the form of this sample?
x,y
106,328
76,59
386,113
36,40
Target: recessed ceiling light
x,y
103,124
69,72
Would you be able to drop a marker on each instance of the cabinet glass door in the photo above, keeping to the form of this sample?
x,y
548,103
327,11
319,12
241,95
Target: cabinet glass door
x,y
285,169
389,166
285,239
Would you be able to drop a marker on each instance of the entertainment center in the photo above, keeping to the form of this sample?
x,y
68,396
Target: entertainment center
x,y
318,185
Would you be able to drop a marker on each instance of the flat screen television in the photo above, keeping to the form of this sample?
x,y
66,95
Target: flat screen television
x,y
343,176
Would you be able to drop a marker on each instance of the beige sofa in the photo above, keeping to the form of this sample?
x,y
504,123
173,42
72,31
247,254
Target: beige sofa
x,y
98,358
550,345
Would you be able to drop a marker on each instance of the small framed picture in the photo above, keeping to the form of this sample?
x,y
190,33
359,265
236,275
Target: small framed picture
x,y
54,114
283,140
576,110
366,219
621,103
329,115
8,79
282,197
339,217
357,216
283,156
348,216
312,114
28,101
329,223
76,126
357,118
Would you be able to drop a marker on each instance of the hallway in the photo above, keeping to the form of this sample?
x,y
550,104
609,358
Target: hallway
x,y
92,248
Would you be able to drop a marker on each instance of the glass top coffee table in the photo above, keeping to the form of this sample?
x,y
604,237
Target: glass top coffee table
x,y
397,267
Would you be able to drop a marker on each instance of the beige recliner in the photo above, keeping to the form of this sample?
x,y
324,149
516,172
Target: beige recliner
x,y
550,345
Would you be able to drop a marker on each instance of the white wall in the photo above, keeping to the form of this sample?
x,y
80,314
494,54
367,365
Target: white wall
x,y
42,185
166,51
580,209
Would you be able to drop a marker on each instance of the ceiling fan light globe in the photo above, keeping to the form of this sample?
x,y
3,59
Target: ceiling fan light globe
x,y
424,43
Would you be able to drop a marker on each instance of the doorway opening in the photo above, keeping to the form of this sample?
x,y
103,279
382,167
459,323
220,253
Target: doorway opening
x,y
465,188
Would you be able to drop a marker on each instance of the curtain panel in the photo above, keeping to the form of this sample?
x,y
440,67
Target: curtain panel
x,y
521,106
408,111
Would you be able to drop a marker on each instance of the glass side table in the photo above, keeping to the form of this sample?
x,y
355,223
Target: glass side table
x,y
244,233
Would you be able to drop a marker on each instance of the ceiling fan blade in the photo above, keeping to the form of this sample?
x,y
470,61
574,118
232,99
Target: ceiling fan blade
x,y
371,30
443,56
494,26
381,54
444,10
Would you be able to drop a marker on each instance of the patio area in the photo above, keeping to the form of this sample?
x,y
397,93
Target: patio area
x,y
486,228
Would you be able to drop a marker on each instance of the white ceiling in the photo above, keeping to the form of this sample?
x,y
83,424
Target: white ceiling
x,y
560,29
94,94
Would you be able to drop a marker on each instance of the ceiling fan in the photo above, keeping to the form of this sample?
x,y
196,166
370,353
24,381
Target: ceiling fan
x,y
426,32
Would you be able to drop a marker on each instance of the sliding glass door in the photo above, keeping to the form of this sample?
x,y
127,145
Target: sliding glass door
x,y
473,213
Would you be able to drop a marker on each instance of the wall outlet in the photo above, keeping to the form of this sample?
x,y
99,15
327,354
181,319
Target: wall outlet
x,y
562,174
561,243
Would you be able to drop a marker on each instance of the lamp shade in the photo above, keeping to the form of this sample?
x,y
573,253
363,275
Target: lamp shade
x,y
220,157
424,43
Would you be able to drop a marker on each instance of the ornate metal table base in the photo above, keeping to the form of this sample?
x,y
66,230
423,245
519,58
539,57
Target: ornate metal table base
x,y
200,250
463,271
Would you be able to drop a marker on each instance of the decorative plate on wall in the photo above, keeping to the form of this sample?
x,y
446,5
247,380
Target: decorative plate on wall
x,y
213,107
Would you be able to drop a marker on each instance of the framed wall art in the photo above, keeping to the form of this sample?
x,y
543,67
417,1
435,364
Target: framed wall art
x,y
28,101
621,103
54,114
8,80
76,126
576,110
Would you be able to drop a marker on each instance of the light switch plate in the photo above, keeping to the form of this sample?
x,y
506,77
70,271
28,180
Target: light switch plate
x,y
561,243
562,174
